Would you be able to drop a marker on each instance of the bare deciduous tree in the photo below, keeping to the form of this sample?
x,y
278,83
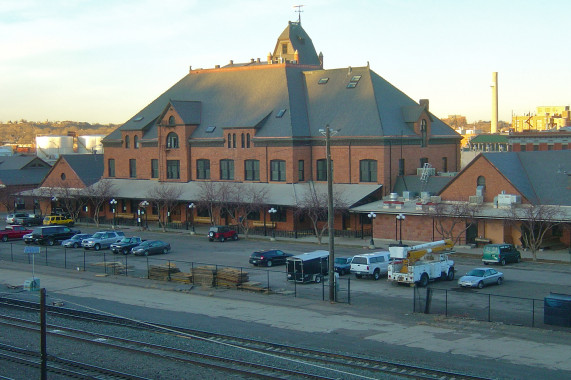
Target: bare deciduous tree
x,y
98,194
313,204
453,219
209,199
240,200
165,196
71,198
534,221
8,197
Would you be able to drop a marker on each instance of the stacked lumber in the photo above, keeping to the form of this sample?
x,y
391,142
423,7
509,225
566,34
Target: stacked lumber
x,y
204,276
181,277
162,272
114,267
231,277
253,287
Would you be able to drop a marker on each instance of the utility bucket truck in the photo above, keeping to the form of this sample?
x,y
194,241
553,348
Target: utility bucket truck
x,y
422,263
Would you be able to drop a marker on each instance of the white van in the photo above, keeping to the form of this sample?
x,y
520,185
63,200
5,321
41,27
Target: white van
x,y
374,264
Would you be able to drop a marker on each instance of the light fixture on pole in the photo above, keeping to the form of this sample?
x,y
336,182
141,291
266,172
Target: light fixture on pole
x,y
144,205
330,213
113,203
400,218
191,210
272,211
372,217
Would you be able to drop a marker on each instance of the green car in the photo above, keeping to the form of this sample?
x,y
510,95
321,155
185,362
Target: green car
x,y
500,253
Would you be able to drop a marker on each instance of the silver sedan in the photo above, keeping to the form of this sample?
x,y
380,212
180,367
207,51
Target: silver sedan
x,y
480,277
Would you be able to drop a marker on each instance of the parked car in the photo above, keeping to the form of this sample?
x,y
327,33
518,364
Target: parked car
x,y
102,239
221,233
500,253
125,245
269,258
63,220
480,277
342,265
11,218
75,240
13,232
29,220
49,235
371,264
151,247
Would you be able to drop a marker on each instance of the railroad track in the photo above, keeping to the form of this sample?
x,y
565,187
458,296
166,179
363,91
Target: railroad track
x,y
325,364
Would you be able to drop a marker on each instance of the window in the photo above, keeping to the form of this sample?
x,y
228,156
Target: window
x,y
247,140
111,167
368,171
233,140
136,142
445,164
229,140
210,129
172,140
173,169
354,80
401,166
280,215
203,169
481,181
243,138
522,148
535,147
423,133
127,142
171,121
550,147
301,170
284,48
564,147
277,170
227,169
154,168
252,170
62,176
322,169
280,113
133,168
323,80
423,160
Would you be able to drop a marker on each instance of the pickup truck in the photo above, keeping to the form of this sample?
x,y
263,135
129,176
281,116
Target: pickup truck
x,y
13,232
29,220
124,246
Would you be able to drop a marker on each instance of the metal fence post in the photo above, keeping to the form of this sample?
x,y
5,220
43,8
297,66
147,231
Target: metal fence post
x,y
46,251
84,260
414,299
148,269
12,253
126,266
105,262
533,312
65,258
169,271
349,291
268,273
489,307
446,303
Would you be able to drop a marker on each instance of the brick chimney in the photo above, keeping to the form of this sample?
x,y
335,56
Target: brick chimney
x,y
424,103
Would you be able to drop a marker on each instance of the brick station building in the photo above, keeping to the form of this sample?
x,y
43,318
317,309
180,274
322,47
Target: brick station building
x,y
258,123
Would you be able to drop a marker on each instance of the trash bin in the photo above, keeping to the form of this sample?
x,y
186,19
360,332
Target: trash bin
x,y
557,310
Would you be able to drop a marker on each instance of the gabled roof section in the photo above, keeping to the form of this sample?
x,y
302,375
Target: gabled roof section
x,y
540,176
19,162
487,139
411,114
19,177
189,111
88,167
300,41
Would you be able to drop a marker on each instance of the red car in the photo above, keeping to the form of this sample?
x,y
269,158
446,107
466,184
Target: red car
x,y
14,232
222,233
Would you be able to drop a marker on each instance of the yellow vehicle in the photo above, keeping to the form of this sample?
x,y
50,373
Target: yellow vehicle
x,y
64,220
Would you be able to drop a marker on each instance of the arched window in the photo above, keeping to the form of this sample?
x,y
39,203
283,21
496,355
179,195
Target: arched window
x,y
233,140
423,133
136,142
248,140
127,142
229,140
481,181
171,120
172,140
243,141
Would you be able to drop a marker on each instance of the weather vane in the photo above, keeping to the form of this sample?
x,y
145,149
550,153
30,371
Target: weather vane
x,y
298,10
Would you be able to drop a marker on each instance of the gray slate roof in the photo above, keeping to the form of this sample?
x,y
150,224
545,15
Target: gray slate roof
x,y
32,176
88,167
412,183
20,162
542,177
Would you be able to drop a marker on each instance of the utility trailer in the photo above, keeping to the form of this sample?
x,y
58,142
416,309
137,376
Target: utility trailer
x,y
308,267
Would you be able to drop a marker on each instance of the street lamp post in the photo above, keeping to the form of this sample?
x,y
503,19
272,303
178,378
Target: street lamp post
x,y
113,203
330,214
144,205
272,211
372,216
191,210
400,218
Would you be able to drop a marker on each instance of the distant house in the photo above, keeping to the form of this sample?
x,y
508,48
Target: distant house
x,y
19,173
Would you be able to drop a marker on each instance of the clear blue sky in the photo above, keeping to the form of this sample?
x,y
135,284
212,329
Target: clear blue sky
x,y
104,60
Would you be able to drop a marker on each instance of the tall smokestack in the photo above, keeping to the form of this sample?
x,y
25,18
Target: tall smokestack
x,y
494,123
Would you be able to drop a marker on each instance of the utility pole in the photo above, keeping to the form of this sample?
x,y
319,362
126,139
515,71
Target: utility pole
x,y
330,216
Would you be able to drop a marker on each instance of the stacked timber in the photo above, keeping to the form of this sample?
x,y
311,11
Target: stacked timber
x,y
183,278
230,277
253,287
162,272
204,276
112,267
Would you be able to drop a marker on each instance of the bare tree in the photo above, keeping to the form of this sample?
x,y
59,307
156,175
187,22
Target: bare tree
x,y
241,200
98,194
313,204
47,193
8,197
71,198
165,196
453,219
534,221
208,198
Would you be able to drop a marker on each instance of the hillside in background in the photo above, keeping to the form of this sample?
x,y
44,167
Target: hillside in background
x,y
24,132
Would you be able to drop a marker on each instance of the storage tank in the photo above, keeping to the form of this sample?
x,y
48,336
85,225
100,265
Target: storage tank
x,y
90,144
6,150
49,148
